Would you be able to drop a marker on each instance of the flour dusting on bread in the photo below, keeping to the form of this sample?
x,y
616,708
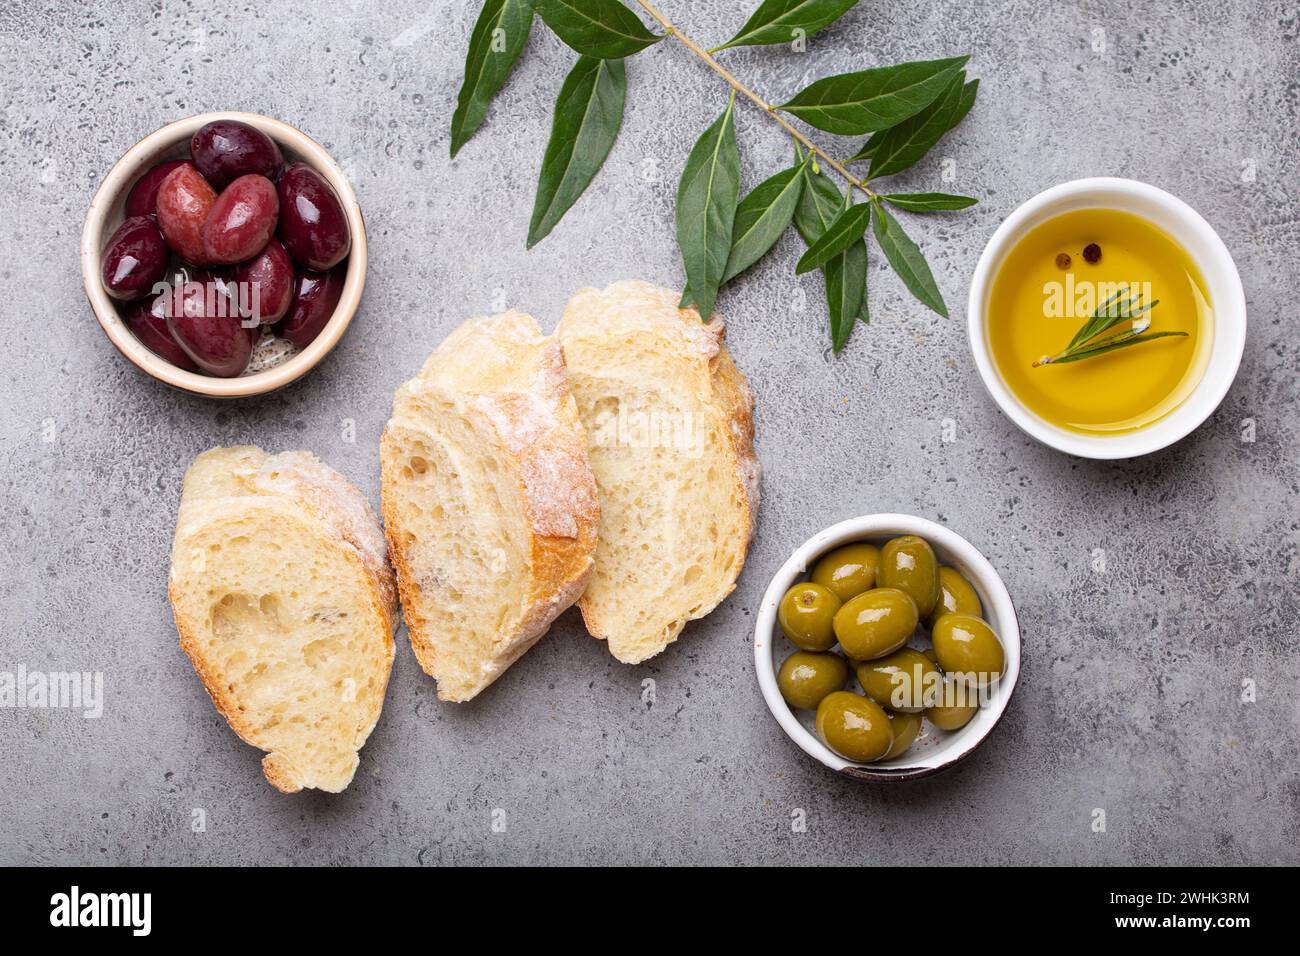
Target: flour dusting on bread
x,y
489,504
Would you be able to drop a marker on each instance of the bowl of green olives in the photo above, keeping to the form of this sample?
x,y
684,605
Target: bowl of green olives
x,y
887,647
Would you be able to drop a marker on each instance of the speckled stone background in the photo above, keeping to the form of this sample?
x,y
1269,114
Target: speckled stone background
x,y
1130,699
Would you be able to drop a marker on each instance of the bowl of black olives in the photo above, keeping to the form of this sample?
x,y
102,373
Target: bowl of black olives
x,y
887,647
225,254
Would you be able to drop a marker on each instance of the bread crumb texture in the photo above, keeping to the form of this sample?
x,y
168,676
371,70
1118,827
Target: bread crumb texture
x,y
670,429
285,604
489,504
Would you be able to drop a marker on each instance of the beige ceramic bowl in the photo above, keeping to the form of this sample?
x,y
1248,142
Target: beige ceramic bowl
x,y
106,214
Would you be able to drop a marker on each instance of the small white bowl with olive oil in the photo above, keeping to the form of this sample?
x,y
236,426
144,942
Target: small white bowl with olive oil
x,y
1107,318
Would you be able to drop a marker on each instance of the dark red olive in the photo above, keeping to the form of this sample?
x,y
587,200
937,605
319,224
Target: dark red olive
x,y
184,201
204,322
313,227
264,285
142,200
224,150
134,259
314,300
241,220
148,320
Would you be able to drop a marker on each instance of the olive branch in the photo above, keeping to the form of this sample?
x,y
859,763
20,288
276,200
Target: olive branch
x,y
904,110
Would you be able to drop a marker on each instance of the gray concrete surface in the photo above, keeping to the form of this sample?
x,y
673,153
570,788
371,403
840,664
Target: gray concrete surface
x,y
1131,695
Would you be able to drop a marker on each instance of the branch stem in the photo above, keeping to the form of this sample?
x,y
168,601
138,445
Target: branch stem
x,y
743,90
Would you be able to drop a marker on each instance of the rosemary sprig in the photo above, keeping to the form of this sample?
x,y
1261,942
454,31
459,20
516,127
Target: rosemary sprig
x,y
1086,343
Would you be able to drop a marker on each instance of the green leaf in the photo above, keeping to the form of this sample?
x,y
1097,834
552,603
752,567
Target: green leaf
x,y
819,204
761,217
902,146
868,148
845,276
846,292
906,260
1110,314
1123,306
707,196
780,21
968,94
847,228
588,113
601,28
495,43
852,104
1118,341
928,202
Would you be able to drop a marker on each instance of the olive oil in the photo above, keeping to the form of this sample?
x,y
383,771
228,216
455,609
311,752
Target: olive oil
x,y
1052,281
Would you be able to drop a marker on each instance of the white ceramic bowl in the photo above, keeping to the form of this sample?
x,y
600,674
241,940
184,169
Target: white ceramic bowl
x,y
105,215
1205,247
934,750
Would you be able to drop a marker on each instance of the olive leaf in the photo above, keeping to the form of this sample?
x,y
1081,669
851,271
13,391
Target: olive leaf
x,y
846,292
968,94
903,110
601,28
588,113
853,104
707,197
845,275
780,21
844,230
868,148
928,202
819,204
761,217
902,146
497,40
906,260
959,108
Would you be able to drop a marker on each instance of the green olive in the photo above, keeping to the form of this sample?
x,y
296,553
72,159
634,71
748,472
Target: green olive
x,y
934,658
908,563
805,678
905,728
876,623
806,614
967,645
854,727
903,676
848,571
956,706
956,596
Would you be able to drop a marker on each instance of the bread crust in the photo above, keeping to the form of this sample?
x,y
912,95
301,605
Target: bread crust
x,y
645,309
501,373
298,487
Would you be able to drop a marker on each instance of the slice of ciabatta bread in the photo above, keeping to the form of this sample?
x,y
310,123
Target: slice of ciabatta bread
x,y
670,435
488,502
285,604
